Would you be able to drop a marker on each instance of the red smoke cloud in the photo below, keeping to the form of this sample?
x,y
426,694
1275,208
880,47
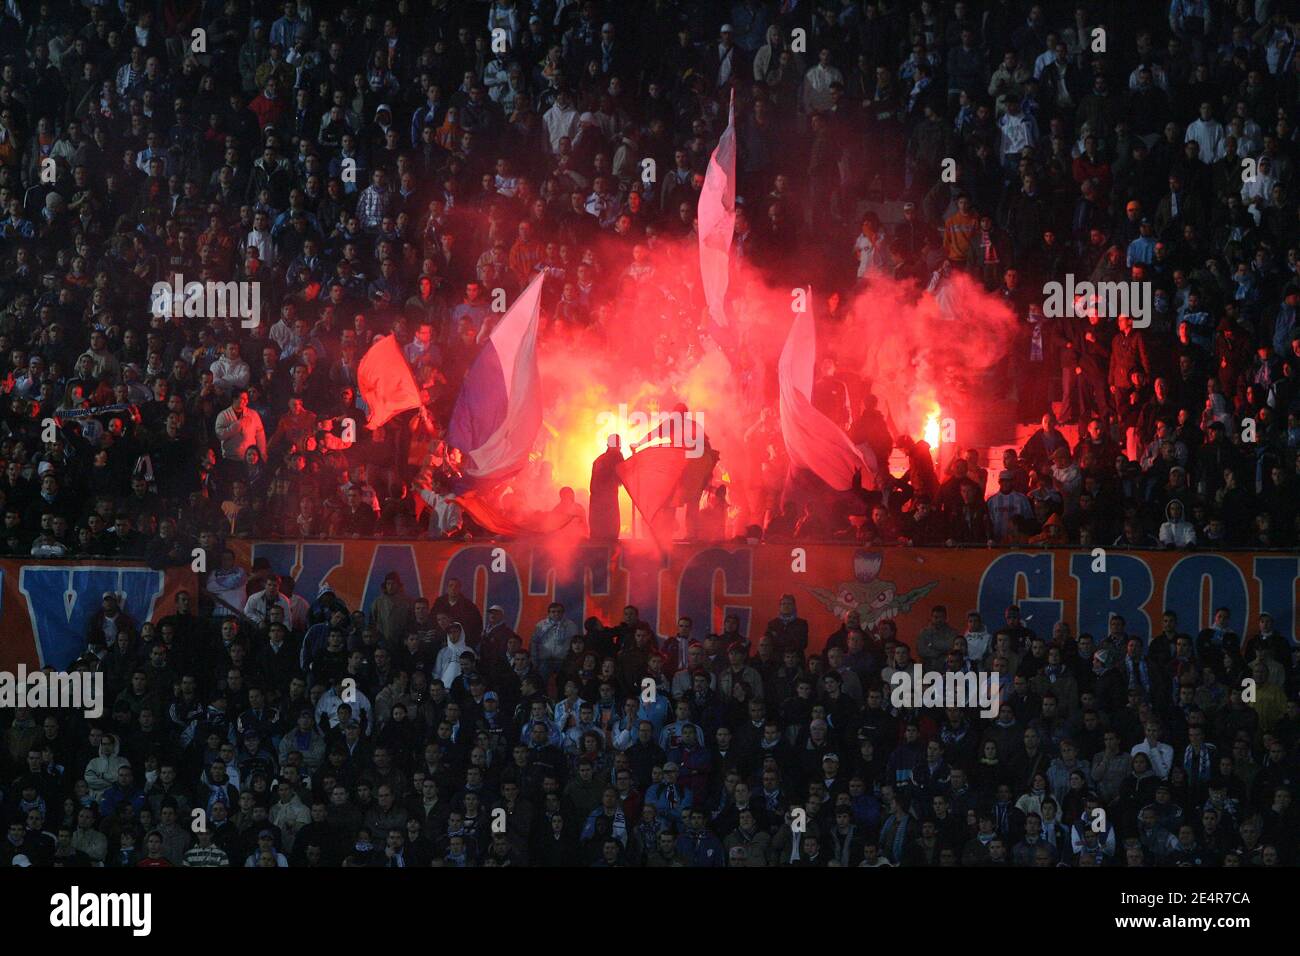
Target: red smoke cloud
x,y
650,349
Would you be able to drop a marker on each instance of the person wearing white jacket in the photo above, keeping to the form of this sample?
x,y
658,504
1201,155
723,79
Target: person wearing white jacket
x,y
560,120
767,59
1177,531
1257,192
101,771
230,372
496,75
1160,754
978,639
344,693
1209,135
240,428
815,94
1018,133
505,15
258,607
289,813
447,666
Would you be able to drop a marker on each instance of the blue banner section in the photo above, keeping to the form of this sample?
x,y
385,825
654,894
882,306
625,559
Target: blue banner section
x,y
62,599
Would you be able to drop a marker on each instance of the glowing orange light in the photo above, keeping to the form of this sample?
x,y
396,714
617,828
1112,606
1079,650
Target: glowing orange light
x,y
931,430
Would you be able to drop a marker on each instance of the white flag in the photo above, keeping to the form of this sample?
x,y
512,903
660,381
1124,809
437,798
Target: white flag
x,y
813,442
716,218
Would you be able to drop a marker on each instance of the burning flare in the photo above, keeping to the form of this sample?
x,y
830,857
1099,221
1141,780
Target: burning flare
x,y
930,432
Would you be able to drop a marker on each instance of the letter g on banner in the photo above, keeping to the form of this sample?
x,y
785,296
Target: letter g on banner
x,y
998,589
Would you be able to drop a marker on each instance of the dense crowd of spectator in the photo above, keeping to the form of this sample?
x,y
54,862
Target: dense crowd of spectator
x,y
386,167
427,733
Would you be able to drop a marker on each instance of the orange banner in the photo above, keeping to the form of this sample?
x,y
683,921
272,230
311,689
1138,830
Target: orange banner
x,y
1081,587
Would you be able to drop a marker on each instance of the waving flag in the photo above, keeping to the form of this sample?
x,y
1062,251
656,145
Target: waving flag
x,y
385,382
813,442
660,477
716,218
651,478
499,410
491,516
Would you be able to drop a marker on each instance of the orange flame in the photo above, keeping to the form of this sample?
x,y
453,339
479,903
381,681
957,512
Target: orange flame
x,y
930,432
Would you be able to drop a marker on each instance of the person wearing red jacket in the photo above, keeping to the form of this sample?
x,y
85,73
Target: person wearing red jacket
x,y
1091,164
153,848
268,105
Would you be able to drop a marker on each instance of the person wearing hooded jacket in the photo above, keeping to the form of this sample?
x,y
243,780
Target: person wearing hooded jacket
x,y
391,612
323,607
1110,687
447,666
380,125
1177,531
101,771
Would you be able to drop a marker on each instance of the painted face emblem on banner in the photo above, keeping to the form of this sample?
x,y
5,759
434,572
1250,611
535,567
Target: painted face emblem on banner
x,y
873,598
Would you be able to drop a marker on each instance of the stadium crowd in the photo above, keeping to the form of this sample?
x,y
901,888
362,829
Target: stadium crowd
x,y
425,733
386,167
370,179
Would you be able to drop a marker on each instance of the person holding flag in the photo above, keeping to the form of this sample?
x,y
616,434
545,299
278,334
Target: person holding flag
x,y
498,416
672,471
387,385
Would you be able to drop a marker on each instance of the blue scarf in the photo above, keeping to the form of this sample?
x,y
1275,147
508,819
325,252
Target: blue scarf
x,y
901,828
1207,763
